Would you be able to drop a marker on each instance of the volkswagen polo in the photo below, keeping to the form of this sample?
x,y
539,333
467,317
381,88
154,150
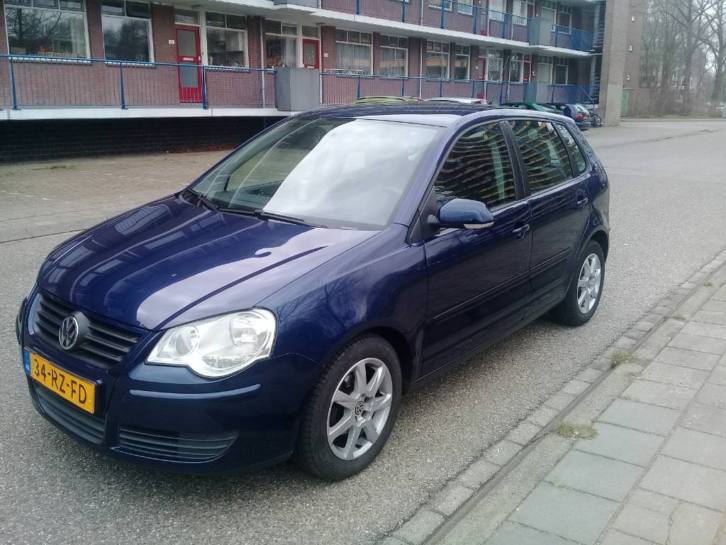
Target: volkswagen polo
x,y
280,305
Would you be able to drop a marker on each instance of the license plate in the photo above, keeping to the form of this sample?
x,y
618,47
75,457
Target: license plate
x,y
80,392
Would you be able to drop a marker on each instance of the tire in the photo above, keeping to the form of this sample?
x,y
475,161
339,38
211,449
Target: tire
x,y
355,416
578,307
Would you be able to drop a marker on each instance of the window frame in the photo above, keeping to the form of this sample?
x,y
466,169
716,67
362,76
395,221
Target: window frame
x,y
560,127
466,55
394,48
205,43
563,29
523,168
519,186
560,63
468,7
436,4
498,55
50,58
499,15
150,33
440,53
369,45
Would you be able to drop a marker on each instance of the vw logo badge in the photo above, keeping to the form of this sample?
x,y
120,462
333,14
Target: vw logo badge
x,y
68,332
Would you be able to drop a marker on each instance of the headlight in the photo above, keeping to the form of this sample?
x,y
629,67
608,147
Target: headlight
x,y
219,346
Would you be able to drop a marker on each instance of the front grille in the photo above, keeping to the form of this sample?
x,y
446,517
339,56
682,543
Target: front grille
x,y
87,426
103,346
174,447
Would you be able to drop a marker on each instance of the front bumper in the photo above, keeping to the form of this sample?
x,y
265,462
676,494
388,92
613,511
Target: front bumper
x,y
189,428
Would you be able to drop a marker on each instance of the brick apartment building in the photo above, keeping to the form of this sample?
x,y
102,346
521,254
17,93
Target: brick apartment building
x,y
132,59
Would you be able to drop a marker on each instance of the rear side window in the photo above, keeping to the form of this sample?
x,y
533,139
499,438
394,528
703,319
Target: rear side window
x,y
578,159
478,167
543,153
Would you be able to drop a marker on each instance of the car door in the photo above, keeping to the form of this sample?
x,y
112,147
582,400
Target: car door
x,y
477,278
559,205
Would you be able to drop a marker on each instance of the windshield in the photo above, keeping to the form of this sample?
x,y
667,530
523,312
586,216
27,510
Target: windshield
x,y
329,171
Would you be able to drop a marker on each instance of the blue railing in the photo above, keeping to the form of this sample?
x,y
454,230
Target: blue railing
x,y
344,88
464,16
29,81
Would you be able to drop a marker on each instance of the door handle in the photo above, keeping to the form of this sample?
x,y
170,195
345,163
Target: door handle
x,y
582,202
520,232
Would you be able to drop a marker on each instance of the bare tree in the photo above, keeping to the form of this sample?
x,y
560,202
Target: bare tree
x,y
715,40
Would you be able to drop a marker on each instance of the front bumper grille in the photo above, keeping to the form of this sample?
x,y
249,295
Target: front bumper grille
x,y
173,447
104,345
89,427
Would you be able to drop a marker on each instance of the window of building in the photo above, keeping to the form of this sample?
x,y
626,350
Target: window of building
x,y
394,56
520,68
436,60
579,163
497,9
353,52
495,63
186,17
436,4
544,154
461,61
226,39
54,28
544,70
564,19
562,69
281,41
126,30
520,12
478,167
465,7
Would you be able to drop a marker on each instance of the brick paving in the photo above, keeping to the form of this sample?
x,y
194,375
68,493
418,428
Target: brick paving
x,y
642,460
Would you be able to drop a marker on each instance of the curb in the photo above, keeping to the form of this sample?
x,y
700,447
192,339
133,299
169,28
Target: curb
x,y
642,341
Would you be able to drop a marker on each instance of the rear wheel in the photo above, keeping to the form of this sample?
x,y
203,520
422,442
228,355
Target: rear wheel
x,y
351,411
583,296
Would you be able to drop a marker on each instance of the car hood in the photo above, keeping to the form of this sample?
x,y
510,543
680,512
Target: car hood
x,y
155,266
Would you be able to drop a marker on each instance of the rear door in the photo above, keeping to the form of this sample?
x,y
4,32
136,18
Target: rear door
x,y
478,279
559,203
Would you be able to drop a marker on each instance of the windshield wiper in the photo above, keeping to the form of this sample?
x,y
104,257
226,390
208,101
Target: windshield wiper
x,y
263,214
201,199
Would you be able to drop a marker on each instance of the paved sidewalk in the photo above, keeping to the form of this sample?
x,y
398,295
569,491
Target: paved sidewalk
x,y
632,452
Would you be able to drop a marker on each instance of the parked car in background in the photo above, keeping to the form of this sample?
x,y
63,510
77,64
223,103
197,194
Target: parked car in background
x,y
372,100
281,304
534,106
457,100
577,112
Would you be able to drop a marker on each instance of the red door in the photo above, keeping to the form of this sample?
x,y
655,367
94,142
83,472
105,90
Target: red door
x,y
311,53
188,52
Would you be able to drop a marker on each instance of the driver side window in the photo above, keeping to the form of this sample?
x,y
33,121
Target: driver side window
x,y
479,168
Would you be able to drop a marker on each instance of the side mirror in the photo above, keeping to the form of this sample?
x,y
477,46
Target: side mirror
x,y
465,213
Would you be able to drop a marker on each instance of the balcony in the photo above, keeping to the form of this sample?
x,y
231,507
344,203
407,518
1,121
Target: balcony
x,y
35,82
463,16
49,88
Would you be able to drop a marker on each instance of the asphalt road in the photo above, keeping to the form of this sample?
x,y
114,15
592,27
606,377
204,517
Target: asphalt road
x,y
668,215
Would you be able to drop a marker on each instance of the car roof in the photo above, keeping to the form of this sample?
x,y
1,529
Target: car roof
x,y
440,114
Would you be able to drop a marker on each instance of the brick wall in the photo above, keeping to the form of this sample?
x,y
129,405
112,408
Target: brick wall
x,y
327,46
39,140
95,28
3,35
254,30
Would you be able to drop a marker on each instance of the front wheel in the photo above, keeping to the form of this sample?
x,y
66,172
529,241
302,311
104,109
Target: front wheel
x,y
585,291
351,411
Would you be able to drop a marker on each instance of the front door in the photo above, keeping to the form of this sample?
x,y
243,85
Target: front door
x,y
478,278
189,57
311,53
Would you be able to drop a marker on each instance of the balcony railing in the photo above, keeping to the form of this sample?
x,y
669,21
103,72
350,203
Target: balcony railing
x,y
463,16
59,82
49,82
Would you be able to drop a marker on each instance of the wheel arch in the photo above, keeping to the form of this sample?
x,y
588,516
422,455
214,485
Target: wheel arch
x,y
601,237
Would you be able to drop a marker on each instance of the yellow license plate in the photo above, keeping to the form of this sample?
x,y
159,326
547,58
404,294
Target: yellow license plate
x,y
80,392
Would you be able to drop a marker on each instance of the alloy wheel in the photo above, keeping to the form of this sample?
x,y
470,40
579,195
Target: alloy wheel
x,y
359,408
588,283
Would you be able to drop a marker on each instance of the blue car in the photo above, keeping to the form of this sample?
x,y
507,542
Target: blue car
x,y
281,304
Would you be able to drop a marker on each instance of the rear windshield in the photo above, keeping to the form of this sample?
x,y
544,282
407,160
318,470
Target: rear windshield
x,y
325,171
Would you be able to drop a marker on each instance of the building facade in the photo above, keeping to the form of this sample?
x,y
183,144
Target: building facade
x,y
80,59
